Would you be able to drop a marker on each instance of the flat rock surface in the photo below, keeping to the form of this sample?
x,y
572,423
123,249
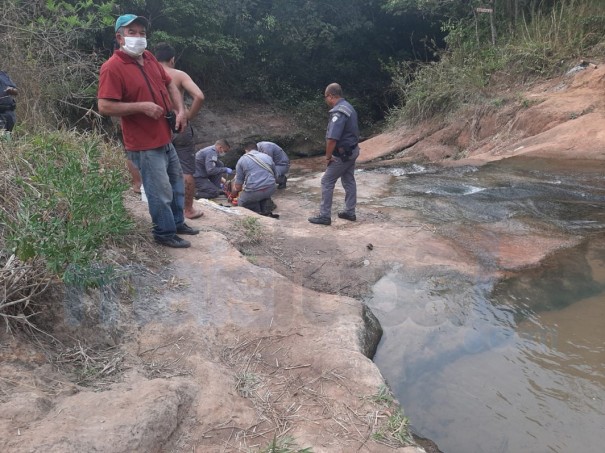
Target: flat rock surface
x,y
258,330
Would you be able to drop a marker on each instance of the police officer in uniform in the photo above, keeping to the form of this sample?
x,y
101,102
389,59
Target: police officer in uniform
x,y
342,150
281,160
209,170
255,180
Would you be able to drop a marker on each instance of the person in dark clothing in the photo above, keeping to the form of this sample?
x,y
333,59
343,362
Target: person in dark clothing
x,y
8,91
209,170
281,160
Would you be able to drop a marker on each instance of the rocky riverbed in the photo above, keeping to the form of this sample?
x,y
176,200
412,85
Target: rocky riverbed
x,y
258,332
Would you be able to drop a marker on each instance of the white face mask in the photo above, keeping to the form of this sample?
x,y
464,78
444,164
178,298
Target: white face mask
x,y
134,46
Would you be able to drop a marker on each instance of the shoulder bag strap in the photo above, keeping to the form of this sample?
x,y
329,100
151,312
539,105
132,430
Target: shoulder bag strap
x,y
149,86
261,163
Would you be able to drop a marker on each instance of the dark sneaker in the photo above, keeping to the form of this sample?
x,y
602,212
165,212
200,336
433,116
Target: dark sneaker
x,y
175,242
186,229
347,216
320,220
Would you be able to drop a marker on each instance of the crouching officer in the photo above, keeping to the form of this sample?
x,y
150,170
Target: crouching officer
x,y
281,160
342,137
255,181
209,170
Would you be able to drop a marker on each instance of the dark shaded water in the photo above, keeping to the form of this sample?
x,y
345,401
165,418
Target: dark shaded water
x,y
509,365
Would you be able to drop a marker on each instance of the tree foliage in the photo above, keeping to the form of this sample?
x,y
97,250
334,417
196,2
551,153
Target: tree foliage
x,y
48,47
284,49
434,8
537,38
277,50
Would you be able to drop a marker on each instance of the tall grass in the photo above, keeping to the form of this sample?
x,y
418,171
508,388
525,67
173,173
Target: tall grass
x,y
538,44
61,210
61,201
61,206
39,48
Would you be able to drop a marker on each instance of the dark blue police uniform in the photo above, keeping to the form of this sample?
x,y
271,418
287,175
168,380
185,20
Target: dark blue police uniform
x,y
342,127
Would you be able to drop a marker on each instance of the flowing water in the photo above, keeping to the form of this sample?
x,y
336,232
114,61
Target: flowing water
x,y
491,364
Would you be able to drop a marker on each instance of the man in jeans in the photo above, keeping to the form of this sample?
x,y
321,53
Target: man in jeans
x,y
136,88
8,90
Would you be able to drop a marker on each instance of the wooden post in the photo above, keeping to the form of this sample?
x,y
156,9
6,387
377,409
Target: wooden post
x,y
476,27
491,19
492,24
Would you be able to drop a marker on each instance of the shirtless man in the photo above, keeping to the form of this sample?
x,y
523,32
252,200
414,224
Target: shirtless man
x,y
183,141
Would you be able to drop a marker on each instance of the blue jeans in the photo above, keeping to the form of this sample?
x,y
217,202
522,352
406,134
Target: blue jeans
x,y
164,187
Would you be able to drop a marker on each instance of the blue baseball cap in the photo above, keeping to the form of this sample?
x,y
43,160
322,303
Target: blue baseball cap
x,y
128,19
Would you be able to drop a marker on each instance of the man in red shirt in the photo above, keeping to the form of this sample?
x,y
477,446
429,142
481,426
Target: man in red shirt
x,y
136,88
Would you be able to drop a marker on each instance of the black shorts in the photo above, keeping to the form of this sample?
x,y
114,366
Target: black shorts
x,y
185,149
7,120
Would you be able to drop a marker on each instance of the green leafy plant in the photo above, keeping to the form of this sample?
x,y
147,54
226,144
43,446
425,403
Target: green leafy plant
x,y
498,102
47,49
383,396
534,42
66,204
395,431
284,445
247,383
250,256
252,228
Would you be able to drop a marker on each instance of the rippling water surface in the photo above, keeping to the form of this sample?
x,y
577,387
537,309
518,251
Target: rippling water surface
x,y
501,365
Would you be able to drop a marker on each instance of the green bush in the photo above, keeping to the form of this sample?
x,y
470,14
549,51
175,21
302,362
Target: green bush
x,y
438,88
284,445
47,48
64,205
534,45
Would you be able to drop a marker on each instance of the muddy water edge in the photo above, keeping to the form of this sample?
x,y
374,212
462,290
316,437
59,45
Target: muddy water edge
x,y
511,359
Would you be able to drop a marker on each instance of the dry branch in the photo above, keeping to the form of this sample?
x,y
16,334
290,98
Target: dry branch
x,y
21,284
